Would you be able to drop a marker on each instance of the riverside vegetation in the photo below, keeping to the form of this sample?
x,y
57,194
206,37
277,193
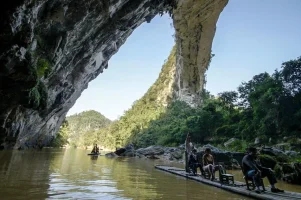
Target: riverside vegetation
x,y
266,109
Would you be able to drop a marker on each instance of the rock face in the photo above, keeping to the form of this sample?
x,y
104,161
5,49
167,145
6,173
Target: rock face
x,y
151,150
229,142
195,25
272,152
127,151
51,49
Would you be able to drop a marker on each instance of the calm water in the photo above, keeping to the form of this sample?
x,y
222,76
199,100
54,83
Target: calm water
x,y
71,174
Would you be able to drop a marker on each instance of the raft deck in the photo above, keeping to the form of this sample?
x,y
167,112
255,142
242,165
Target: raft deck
x,y
238,187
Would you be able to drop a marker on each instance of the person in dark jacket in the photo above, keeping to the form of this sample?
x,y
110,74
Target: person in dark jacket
x,y
193,162
254,170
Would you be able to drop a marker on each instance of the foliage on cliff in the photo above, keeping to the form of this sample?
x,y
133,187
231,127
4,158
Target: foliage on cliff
x,y
143,111
62,136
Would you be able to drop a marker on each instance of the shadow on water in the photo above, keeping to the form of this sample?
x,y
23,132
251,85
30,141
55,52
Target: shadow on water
x,y
71,174
24,174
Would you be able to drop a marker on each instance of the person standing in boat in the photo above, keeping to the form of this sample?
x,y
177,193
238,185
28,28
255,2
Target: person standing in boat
x,y
95,149
208,163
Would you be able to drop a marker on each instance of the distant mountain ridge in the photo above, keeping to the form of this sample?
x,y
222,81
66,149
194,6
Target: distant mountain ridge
x,y
83,124
88,120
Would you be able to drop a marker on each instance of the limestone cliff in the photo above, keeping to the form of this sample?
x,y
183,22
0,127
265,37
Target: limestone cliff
x,y
195,25
51,49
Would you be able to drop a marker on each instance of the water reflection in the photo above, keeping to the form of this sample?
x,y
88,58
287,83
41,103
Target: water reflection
x,y
71,174
24,174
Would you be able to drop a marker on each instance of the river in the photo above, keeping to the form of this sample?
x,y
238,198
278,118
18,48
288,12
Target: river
x,y
71,174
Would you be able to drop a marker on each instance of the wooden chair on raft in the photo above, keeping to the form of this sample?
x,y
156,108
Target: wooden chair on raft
x,y
206,174
250,182
225,178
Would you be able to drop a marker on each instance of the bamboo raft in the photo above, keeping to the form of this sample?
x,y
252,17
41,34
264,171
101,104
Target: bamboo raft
x,y
238,187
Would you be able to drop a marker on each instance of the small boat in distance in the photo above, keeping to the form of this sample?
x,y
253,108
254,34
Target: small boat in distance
x,y
95,151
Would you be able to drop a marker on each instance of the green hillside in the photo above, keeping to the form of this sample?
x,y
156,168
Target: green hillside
x,y
80,129
129,127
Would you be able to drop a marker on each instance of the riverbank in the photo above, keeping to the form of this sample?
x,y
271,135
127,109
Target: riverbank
x,y
285,167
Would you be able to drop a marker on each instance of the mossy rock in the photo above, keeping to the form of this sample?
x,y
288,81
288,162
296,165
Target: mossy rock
x,y
34,98
37,96
43,67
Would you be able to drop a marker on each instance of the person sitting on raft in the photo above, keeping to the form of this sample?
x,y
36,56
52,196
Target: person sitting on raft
x,y
95,149
193,162
255,171
208,163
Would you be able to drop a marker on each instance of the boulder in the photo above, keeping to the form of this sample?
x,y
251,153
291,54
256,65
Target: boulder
x,y
129,147
272,151
151,150
169,149
283,146
285,138
257,141
270,140
229,142
292,153
139,155
129,153
182,146
120,151
177,154
152,156
213,149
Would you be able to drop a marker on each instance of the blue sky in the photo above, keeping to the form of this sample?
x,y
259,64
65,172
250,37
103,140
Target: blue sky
x,y
251,37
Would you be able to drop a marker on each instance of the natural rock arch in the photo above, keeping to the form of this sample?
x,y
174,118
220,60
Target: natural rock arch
x,y
51,49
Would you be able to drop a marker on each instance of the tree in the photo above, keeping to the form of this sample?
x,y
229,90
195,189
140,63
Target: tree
x,y
62,136
228,99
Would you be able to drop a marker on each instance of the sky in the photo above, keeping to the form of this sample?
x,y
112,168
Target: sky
x,y
251,37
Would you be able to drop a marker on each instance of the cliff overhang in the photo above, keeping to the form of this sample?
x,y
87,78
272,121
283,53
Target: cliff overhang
x,y
51,49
